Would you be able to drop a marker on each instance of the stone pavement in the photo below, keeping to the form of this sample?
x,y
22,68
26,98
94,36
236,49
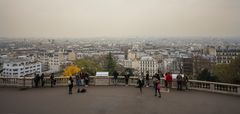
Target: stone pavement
x,y
114,100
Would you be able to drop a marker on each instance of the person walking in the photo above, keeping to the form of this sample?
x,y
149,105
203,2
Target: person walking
x,y
157,89
52,80
185,82
179,82
140,83
147,79
115,77
154,79
70,85
42,79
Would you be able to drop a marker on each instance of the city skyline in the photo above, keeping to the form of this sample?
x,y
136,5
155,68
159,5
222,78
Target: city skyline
x,y
119,18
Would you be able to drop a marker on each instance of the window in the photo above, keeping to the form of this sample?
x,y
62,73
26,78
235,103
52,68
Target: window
x,y
15,65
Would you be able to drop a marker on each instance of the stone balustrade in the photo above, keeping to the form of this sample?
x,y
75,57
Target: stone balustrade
x,y
28,82
215,87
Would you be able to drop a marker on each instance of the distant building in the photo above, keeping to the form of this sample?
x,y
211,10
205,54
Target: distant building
x,y
187,66
225,56
21,67
131,55
148,64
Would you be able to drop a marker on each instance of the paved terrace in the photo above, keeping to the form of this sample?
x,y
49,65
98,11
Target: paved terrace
x,y
114,100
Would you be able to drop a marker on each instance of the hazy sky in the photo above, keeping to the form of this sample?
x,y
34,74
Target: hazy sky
x,y
119,18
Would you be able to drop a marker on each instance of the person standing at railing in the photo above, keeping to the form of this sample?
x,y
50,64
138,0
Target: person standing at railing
x,y
168,81
52,80
185,82
42,79
36,80
82,76
179,82
147,79
70,85
78,82
126,76
115,77
86,78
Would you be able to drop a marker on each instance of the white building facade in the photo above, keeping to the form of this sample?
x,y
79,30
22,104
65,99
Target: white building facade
x,y
148,64
18,68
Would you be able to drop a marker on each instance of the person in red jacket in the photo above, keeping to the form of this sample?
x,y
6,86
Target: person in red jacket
x,y
168,80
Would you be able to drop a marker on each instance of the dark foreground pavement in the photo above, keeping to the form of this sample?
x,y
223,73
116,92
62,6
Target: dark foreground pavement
x,y
114,100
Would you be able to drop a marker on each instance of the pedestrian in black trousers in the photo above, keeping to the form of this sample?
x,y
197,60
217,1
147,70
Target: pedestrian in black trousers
x,y
140,84
179,82
42,79
70,85
52,79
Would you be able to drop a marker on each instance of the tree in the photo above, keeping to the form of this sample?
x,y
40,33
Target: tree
x,y
90,65
111,64
130,71
221,72
228,73
205,75
71,70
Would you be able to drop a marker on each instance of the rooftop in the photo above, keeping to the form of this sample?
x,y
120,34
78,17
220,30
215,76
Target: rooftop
x,y
114,100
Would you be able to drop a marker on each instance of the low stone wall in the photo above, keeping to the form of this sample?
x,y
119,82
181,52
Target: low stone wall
x,y
28,82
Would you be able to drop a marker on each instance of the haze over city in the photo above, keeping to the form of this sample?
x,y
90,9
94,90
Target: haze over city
x,y
119,18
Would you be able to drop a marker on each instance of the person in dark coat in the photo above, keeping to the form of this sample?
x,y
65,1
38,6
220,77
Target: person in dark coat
x,y
185,82
86,78
52,79
70,85
36,80
140,83
179,82
115,77
42,79
147,79
126,76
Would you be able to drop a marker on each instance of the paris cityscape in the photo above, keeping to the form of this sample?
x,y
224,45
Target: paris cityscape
x,y
119,56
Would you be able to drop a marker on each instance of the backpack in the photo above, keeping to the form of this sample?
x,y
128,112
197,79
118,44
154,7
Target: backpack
x,y
69,82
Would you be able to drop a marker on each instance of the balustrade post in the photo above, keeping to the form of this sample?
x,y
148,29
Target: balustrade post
x,y
212,87
238,90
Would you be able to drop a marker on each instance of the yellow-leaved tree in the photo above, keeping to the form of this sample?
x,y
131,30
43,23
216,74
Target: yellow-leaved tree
x,y
71,70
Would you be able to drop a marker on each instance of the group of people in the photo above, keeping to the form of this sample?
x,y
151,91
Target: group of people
x,y
82,79
182,81
156,83
115,77
39,80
